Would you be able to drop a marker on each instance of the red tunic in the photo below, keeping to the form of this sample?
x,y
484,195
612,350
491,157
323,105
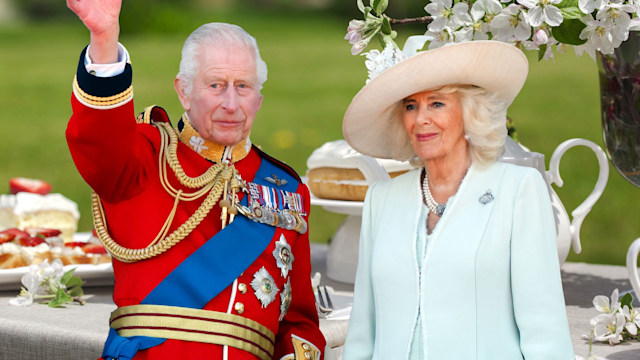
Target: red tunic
x,y
118,158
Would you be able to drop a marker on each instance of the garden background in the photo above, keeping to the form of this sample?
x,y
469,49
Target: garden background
x,y
312,78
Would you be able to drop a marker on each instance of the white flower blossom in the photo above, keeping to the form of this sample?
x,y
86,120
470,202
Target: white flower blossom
x,y
599,37
603,305
439,38
608,327
589,6
478,28
511,24
37,281
632,317
31,283
542,11
444,15
616,18
377,61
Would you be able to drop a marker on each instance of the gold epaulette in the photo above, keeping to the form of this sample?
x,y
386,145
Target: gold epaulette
x,y
145,116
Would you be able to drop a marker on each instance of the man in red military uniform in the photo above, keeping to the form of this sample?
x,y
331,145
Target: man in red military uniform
x,y
208,233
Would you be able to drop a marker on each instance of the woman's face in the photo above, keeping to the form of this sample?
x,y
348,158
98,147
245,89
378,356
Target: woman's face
x,y
434,123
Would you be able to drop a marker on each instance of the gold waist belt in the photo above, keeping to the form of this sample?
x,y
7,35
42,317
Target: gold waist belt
x,y
178,323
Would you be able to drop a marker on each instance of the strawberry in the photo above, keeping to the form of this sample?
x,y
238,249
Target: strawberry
x,y
94,249
73,244
42,232
19,184
17,233
31,241
6,237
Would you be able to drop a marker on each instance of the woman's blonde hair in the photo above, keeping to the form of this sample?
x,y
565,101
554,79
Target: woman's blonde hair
x,y
485,121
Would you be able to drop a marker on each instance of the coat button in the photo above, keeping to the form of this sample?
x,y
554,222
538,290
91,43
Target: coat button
x,y
306,346
307,355
92,72
242,287
239,307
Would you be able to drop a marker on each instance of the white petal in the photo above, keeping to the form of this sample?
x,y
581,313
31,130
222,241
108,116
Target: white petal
x,y
477,11
601,303
438,24
432,9
614,296
586,6
493,6
528,3
464,34
631,327
479,35
535,16
522,32
552,15
21,301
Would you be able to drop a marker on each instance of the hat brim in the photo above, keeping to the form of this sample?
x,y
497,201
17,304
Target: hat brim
x,y
372,124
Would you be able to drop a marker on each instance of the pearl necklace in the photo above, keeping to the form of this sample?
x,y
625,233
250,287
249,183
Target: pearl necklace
x,y
436,208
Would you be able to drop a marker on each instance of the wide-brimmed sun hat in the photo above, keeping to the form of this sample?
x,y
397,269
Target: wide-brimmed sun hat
x,y
373,125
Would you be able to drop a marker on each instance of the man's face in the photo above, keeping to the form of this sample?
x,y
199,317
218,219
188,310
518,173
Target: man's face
x,y
225,96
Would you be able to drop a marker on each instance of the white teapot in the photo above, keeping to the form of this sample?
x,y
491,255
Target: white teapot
x,y
568,231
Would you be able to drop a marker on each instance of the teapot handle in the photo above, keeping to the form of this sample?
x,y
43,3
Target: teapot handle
x,y
553,177
632,267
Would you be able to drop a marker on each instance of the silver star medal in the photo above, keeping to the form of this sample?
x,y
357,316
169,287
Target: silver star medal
x,y
486,198
264,287
285,299
283,255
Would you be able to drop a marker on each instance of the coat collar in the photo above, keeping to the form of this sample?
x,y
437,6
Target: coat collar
x,y
208,149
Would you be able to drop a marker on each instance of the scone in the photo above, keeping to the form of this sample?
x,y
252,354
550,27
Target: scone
x,y
332,176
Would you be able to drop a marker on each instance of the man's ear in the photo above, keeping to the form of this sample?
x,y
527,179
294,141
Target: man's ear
x,y
185,100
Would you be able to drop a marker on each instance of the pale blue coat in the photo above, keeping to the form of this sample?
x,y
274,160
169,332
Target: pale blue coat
x,y
491,286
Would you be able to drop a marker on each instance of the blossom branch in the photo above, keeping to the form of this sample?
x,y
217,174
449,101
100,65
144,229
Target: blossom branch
x,y
418,20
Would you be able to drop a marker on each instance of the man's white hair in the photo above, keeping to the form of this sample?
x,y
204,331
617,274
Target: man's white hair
x,y
216,34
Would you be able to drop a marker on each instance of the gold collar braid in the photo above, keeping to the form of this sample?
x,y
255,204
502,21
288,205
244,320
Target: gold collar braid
x,y
208,149
219,179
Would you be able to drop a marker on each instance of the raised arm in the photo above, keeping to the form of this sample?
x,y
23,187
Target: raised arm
x,y
101,18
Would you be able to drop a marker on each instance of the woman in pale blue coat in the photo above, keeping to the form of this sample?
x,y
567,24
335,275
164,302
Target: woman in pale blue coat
x,y
458,258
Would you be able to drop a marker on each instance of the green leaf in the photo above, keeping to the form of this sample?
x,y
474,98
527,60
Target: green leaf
x,y
569,32
361,6
386,26
541,51
61,298
67,276
571,13
567,3
627,299
74,287
382,6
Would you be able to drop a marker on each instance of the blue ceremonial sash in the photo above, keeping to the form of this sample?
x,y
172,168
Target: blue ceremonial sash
x,y
217,263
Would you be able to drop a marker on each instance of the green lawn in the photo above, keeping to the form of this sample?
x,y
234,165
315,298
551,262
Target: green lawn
x,y
312,78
